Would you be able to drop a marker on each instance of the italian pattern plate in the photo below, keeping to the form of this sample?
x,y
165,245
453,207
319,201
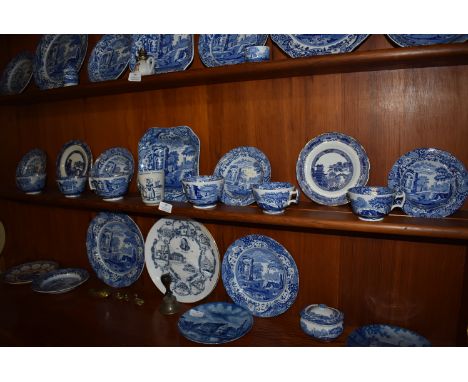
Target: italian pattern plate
x,y
384,336
17,74
109,57
226,49
426,39
60,280
260,275
54,53
27,272
113,161
305,45
435,183
329,165
171,52
115,248
215,323
73,159
183,154
241,168
32,163
186,250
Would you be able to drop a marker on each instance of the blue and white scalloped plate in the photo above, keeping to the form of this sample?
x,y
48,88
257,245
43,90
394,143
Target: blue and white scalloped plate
x,y
226,49
435,183
115,248
426,39
260,275
384,336
113,161
73,159
329,165
241,168
17,74
27,272
34,162
60,280
305,45
215,323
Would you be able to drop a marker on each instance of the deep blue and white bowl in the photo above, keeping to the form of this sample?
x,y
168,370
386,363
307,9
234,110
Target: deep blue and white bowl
x,y
110,188
257,53
31,184
274,197
322,322
203,191
73,186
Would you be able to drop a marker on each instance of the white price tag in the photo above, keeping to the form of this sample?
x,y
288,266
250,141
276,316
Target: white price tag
x,y
134,77
166,207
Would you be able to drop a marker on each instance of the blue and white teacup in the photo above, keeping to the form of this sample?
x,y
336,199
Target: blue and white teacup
x,y
274,197
203,191
73,186
110,188
257,53
31,184
374,203
322,322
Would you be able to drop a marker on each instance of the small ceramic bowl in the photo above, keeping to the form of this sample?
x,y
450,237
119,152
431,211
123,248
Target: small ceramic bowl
x,y
203,191
110,188
32,184
322,322
274,197
257,53
72,187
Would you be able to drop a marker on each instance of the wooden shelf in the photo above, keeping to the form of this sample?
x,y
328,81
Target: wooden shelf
x,y
361,61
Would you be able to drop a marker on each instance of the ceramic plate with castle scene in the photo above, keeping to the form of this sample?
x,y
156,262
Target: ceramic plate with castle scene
x,y
60,280
34,162
113,161
186,250
27,272
241,168
260,275
435,183
215,323
74,159
115,248
17,74
381,335
226,49
329,165
426,39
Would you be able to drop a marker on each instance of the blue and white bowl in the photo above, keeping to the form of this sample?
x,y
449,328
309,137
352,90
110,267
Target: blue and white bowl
x,y
32,184
274,197
203,191
257,53
110,188
72,187
322,322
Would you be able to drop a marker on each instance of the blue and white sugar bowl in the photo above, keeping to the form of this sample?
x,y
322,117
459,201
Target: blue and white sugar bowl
x,y
322,322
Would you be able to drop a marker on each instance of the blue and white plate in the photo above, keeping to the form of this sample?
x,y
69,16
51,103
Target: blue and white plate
x,y
34,162
114,161
17,74
260,275
115,248
109,57
60,280
226,49
305,45
186,250
329,165
56,52
171,52
385,335
27,272
241,168
435,183
183,154
215,323
426,39
73,159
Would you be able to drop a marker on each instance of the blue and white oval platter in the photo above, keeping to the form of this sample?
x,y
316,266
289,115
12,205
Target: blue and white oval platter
x,y
385,336
405,40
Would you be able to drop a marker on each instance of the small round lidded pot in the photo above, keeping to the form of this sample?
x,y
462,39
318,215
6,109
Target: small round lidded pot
x,y
322,322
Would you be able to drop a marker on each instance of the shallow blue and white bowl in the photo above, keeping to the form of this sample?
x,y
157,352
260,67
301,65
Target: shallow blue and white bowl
x,y
32,184
72,187
203,191
110,188
322,322
257,53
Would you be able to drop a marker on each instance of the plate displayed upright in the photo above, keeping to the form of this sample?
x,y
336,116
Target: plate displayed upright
x,y
305,45
2,237
17,74
215,323
260,275
109,57
54,53
329,165
113,161
241,168
115,249
226,49
27,272
183,154
60,280
186,250
405,40
384,336
73,159
435,183
32,163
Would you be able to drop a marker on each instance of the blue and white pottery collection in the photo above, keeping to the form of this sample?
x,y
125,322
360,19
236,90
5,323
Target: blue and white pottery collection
x,y
17,74
257,53
31,172
203,191
274,197
60,280
322,322
405,40
385,336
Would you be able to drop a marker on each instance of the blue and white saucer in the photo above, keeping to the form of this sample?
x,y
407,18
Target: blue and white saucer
x,y
32,163
27,272
435,183
385,336
329,165
114,161
405,40
17,74
60,280
260,275
241,168
73,159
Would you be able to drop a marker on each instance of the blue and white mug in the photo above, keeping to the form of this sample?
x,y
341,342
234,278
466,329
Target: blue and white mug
x,y
274,197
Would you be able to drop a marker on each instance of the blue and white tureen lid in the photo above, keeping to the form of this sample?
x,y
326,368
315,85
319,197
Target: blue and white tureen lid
x,y
322,314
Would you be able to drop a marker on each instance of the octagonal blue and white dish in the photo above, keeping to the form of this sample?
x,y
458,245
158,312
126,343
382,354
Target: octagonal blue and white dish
x,y
385,336
73,160
260,275
435,183
227,49
115,249
109,57
60,280
405,40
329,165
305,45
215,323
17,74
112,162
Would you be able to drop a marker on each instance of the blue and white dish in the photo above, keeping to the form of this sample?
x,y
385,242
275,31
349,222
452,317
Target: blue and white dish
x,y
115,249
405,40
32,163
54,53
109,57
112,162
171,52
305,45
329,165
260,275
322,322
241,168
435,183
60,280
17,74
215,323
274,197
182,160
27,272
226,49
257,53
385,335
186,250
110,188
203,191
72,186
32,184
73,160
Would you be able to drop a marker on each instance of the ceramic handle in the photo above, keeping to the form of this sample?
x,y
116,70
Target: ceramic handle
x,y
293,197
91,183
399,200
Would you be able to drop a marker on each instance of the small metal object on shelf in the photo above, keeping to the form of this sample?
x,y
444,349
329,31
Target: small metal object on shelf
x,y
169,303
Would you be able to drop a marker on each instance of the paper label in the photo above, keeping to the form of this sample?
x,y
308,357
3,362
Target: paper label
x,y
134,77
166,207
